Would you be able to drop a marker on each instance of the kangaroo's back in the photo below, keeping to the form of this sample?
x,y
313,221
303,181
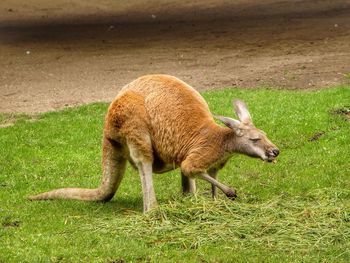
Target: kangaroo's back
x,y
177,114
168,93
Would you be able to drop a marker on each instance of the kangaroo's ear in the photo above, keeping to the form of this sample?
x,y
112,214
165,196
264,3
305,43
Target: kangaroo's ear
x,y
231,123
242,111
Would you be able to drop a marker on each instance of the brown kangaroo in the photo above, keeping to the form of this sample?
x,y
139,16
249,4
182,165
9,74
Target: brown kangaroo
x,y
159,123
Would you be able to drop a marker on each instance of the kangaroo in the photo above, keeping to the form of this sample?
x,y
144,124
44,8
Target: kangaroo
x,y
159,123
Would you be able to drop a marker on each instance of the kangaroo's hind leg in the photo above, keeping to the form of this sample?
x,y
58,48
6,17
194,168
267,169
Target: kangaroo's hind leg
x,y
141,155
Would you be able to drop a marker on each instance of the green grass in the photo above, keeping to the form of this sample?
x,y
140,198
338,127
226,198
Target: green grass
x,y
297,210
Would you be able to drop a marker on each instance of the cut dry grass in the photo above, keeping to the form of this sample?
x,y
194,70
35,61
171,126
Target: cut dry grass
x,y
285,224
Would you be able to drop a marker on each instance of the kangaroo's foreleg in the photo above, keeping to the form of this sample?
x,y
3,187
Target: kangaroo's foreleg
x,y
113,166
193,166
230,193
213,173
188,184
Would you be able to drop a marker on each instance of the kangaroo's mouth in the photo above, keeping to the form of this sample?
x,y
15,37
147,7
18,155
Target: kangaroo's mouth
x,y
271,160
271,155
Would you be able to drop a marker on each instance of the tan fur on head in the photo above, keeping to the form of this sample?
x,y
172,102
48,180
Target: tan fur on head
x,y
158,123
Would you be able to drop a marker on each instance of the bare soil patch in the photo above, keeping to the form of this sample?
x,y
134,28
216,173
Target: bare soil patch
x,y
345,112
55,54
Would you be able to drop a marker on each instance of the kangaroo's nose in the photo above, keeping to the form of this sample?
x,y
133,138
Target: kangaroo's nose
x,y
276,152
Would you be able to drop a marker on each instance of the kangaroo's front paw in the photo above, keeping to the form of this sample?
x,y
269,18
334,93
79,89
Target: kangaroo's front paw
x,y
231,194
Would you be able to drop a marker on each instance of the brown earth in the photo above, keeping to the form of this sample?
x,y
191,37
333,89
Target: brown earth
x,y
61,53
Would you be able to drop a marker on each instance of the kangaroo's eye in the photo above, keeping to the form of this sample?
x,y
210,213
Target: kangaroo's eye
x,y
255,139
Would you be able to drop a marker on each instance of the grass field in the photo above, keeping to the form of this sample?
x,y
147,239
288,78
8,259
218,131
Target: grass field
x,y
297,210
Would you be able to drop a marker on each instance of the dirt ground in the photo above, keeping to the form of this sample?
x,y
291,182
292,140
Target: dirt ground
x,y
55,54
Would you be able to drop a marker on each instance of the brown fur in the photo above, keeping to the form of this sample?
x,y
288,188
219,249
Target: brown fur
x,y
158,123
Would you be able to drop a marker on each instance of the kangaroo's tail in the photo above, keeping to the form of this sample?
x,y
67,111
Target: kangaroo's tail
x,y
113,165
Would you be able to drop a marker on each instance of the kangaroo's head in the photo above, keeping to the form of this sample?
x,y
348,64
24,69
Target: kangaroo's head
x,y
249,140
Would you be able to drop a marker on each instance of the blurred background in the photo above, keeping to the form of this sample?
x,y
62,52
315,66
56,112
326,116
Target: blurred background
x,y
55,54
